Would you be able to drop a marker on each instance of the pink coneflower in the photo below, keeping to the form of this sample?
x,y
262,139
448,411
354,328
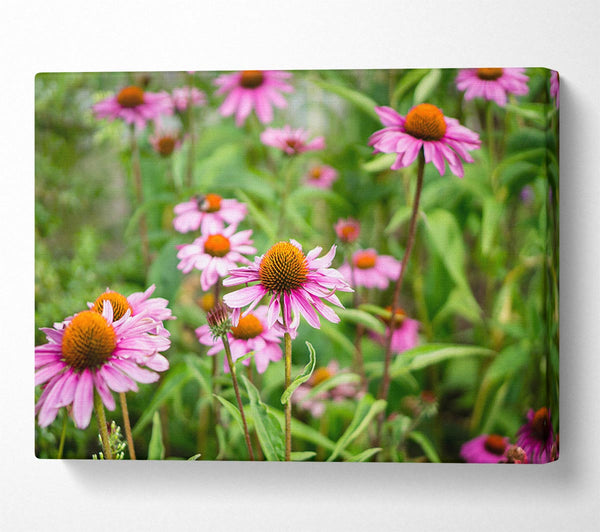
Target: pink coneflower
x,y
215,254
321,176
536,437
91,352
316,404
370,269
253,89
134,105
209,212
425,126
297,285
555,87
291,141
139,304
183,96
347,230
405,335
165,139
250,334
485,449
492,83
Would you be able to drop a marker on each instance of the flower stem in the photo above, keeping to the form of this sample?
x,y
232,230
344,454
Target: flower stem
x,y
288,406
63,434
101,418
385,384
233,373
139,193
127,425
360,330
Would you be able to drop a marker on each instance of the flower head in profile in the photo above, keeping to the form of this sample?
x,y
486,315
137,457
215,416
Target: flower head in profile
x,y
140,304
251,334
166,138
424,128
215,254
316,404
320,176
209,213
182,97
536,437
93,351
485,449
134,105
291,141
555,87
257,90
405,335
371,270
297,284
347,230
492,83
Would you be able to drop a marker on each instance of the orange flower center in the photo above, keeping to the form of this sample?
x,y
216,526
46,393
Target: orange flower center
x,y
283,268
166,145
489,74
426,122
316,172
131,96
320,375
365,260
119,304
217,245
207,302
248,327
541,424
211,203
88,341
495,444
399,316
251,79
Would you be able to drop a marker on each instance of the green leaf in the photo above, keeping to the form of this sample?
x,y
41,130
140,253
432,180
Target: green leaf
x,y
303,432
401,216
335,335
366,410
363,318
331,382
490,221
174,380
407,82
164,273
269,432
360,100
258,215
365,455
156,448
379,163
301,456
303,377
194,458
427,85
425,444
232,409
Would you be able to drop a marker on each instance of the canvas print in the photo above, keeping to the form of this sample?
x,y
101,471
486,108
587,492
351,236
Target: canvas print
x,y
340,265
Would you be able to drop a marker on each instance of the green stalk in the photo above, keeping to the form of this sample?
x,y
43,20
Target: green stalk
x,y
127,425
63,435
101,418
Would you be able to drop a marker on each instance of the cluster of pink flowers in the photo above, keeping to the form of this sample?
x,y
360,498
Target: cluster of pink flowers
x,y
535,443
110,347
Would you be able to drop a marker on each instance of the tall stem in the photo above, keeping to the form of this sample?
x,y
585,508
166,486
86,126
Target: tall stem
x,y
233,373
385,384
127,425
63,435
101,418
360,330
288,406
139,193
